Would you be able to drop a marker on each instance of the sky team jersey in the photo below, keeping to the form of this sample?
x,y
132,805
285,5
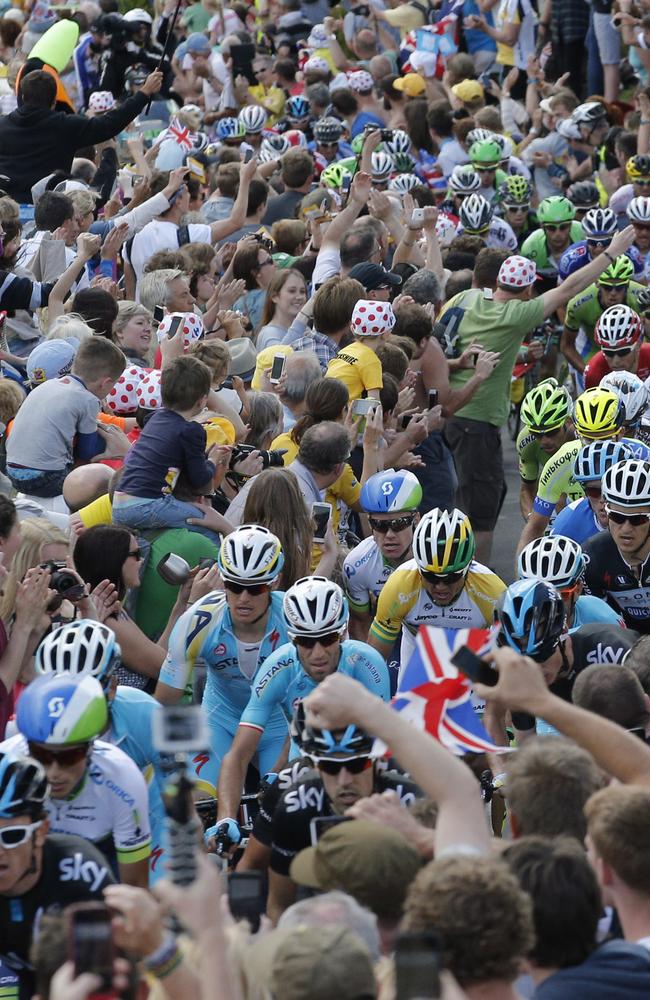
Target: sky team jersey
x,y
110,808
577,521
535,248
405,604
557,479
598,367
283,682
577,256
365,571
609,576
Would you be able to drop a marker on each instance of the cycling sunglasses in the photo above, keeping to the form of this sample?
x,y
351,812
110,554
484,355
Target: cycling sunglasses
x,y
600,243
309,641
254,589
14,836
618,517
396,524
641,225
64,758
617,352
567,592
355,765
517,208
557,227
443,577
553,432
594,492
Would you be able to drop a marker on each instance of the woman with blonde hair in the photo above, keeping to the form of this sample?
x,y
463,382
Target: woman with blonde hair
x,y
41,541
133,332
68,326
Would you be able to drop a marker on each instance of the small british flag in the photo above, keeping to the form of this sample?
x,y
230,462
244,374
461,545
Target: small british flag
x,y
181,134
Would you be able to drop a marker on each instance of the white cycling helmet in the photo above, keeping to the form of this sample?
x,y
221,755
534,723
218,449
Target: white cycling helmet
x,y
478,135
639,210
382,166
138,16
79,648
400,143
315,606
464,180
252,554
598,223
619,326
404,183
555,559
278,145
632,392
253,118
506,144
627,483
589,113
475,214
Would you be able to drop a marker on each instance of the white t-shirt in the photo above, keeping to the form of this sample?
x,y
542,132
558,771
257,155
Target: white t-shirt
x,y
159,235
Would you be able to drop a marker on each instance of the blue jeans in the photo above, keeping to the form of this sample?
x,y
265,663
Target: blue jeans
x,y
595,78
142,514
36,482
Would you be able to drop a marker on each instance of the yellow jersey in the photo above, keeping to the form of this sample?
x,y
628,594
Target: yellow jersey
x,y
358,367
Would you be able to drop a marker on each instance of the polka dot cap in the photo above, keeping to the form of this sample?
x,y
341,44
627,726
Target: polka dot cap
x,y
148,392
122,398
190,327
371,319
517,272
360,80
101,101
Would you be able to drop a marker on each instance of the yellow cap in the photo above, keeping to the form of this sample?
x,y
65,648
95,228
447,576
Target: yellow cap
x,y
219,431
265,360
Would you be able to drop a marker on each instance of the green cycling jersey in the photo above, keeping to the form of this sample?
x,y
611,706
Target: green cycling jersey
x,y
532,457
535,247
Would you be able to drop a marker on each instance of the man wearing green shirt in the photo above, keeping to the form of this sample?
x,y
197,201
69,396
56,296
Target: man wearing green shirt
x,y
500,321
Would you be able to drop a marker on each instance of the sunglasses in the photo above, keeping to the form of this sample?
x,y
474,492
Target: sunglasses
x,y
355,765
557,227
397,524
136,554
641,225
599,243
594,492
64,758
329,145
14,836
309,641
643,181
567,592
486,170
444,577
618,352
547,434
254,589
618,517
517,208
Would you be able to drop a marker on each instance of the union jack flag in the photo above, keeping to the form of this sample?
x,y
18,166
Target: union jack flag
x,y
181,134
434,696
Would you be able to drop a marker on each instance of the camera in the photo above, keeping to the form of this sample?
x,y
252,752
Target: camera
x,y
64,581
387,134
270,459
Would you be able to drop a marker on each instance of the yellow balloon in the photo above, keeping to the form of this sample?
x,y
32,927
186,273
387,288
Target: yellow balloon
x,y
57,45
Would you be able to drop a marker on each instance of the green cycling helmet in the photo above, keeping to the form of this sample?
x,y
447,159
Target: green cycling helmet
x,y
546,407
619,272
357,143
334,175
515,190
486,153
557,208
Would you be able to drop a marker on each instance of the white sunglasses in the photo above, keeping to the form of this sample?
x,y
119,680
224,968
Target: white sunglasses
x,y
14,836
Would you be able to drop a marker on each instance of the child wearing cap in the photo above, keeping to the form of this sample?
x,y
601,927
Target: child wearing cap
x,y
357,365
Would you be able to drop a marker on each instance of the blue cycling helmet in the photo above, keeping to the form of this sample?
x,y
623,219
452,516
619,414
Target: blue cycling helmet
x,y
325,744
298,107
62,711
230,128
23,786
532,618
391,491
81,647
594,459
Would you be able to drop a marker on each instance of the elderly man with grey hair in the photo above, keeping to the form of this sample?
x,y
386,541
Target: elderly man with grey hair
x,y
168,287
301,369
335,907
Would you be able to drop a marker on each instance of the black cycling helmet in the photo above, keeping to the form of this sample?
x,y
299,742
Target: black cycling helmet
x,y
531,615
584,195
324,744
23,786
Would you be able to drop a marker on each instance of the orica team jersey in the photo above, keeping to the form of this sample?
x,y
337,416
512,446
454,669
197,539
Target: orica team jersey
x,y
110,808
365,571
283,682
625,588
557,479
405,604
535,248
577,256
205,634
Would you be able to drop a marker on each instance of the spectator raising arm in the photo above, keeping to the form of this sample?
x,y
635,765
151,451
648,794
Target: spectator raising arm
x,y
237,217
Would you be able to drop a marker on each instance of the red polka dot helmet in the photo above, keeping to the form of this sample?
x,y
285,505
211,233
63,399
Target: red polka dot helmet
x,y
188,325
148,392
123,399
517,272
371,319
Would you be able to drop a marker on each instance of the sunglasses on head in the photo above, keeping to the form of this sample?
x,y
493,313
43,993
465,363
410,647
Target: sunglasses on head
x,y
396,524
309,641
14,836
444,577
64,758
355,765
557,227
254,589
618,517
617,352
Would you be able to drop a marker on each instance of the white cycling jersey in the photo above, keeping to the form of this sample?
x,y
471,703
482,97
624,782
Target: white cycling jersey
x,y
111,807
365,570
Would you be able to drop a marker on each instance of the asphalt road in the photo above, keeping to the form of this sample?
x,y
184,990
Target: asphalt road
x,y
510,521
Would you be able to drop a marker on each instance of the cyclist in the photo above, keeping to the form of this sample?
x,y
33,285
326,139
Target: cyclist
x,y
485,157
232,633
586,516
638,213
634,396
637,169
463,181
328,145
619,559
514,198
560,561
38,869
344,773
86,647
316,614
584,195
546,417
391,500
96,791
558,228
618,333
598,226
598,414
441,585
612,288
477,219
